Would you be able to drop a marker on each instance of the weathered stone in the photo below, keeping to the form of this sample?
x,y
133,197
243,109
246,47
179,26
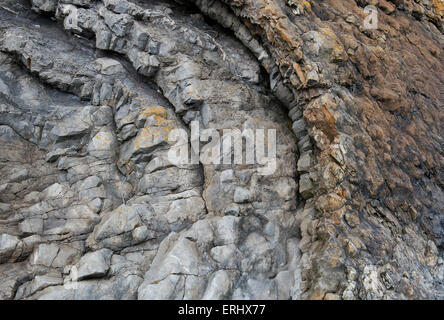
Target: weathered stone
x,y
87,188
117,228
304,162
39,283
44,254
219,286
109,66
170,288
306,186
8,245
241,195
94,264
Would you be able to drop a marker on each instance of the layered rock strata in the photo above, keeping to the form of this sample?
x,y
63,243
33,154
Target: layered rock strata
x,y
91,207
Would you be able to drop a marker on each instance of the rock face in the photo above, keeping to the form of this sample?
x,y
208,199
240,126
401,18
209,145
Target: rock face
x,y
92,207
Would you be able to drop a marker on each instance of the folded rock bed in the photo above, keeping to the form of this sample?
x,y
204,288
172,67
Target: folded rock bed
x,y
91,207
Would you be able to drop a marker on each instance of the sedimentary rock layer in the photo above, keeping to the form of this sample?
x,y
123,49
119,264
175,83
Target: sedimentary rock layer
x,y
92,207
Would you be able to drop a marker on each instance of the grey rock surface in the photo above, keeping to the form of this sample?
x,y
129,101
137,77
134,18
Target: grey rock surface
x,y
91,207
89,175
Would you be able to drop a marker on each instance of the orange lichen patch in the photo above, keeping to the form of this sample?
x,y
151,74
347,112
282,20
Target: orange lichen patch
x,y
166,131
329,33
439,6
143,100
102,139
157,121
306,4
151,136
155,116
156,110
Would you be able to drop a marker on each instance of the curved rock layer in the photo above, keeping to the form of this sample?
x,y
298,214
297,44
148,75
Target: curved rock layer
x,y
92,208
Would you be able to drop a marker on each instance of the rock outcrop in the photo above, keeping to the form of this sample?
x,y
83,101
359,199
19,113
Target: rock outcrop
x,y
92,207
